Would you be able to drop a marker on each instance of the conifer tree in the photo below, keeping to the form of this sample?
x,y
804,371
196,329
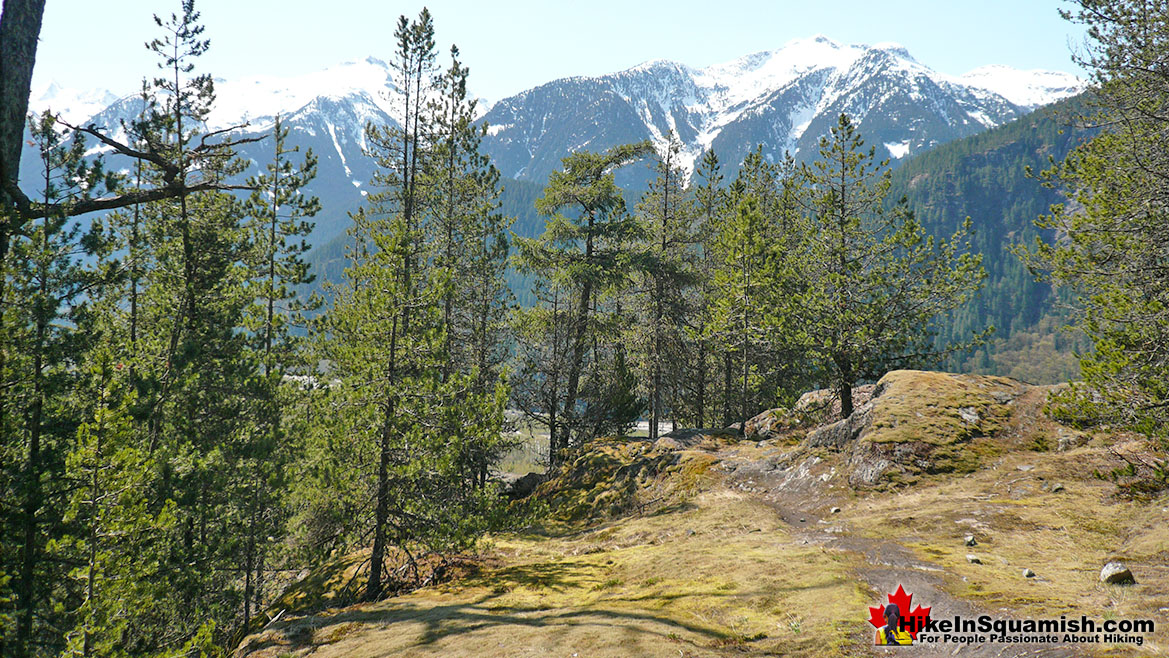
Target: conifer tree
x,y
741,312
195,377
542,346
401,151
667,214
875,283
588,254
277,224
112,510
1112,233
41,298
468,236
391,404
710,201
409,345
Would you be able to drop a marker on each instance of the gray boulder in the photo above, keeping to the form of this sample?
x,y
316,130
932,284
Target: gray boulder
x,y
769,424
1115,573
842,432
523,486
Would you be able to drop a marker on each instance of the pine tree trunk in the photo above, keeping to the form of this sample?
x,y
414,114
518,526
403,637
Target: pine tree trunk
x,y
578,343
382,513
845,392
20,27
249,566
700,420
94,526
26,593
728,387
377,555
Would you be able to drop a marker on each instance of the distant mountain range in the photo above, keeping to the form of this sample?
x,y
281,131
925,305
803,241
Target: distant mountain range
x,y
783,99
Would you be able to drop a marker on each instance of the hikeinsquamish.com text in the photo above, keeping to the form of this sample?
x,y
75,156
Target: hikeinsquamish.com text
x,y
985,629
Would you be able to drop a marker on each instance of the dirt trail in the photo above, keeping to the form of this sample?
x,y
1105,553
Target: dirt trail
x,y
803,491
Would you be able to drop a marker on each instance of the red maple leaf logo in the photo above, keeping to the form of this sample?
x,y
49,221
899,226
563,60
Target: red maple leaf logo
x,y
910,621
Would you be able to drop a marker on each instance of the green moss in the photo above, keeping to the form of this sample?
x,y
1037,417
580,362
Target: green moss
x,y
938,408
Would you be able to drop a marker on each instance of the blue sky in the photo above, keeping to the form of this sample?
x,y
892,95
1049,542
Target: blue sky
x,y
514,45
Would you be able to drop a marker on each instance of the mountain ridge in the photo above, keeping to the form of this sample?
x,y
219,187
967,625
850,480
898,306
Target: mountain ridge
x,y
783,99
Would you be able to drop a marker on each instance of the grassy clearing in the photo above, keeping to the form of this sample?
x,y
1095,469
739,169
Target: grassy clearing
x,y
1064,536
715,575
649,552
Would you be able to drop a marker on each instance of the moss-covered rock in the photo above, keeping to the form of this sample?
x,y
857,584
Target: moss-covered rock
x,y
918,423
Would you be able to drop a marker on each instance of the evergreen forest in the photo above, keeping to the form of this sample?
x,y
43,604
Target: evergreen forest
x,y
195,413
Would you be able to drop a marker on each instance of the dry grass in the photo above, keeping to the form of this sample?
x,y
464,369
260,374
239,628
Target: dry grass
x,y
1064,536
714,575
648,552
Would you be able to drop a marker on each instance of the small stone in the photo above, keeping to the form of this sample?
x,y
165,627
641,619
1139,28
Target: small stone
x,y
1056,488
973,559
1115,573
1026,467
836,510
970,541
1027,573
802,520
691,533
969,414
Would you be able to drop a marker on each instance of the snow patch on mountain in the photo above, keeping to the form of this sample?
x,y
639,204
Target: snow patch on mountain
x,y
72,105
258,99
898,149
1029,89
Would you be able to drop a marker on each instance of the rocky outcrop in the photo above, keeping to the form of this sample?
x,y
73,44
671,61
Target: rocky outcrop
x,y
914,422
843,432
770,423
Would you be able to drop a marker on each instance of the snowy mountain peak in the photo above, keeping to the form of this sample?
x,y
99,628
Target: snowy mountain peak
x,y
1029,89
257,99
796,55
73,105
895,49
784,99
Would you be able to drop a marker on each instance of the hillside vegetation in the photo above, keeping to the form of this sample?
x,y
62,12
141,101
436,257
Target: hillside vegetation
x,y
706,543
984,177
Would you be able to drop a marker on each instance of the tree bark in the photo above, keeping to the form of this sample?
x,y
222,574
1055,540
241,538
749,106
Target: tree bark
x,y
381,515
578,344
20,26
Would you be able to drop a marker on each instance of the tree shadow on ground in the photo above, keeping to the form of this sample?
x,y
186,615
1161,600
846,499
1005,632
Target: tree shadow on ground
x,y
440,621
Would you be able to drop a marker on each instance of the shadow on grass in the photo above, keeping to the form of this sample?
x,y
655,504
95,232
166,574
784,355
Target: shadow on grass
x,y
443,621
557,576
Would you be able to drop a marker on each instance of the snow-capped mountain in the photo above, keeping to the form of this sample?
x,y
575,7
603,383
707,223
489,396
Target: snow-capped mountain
x,y
326,111
784,99
1028,89
70,104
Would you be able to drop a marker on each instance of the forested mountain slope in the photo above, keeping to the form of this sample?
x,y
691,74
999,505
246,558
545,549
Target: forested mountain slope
x,y
984,177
